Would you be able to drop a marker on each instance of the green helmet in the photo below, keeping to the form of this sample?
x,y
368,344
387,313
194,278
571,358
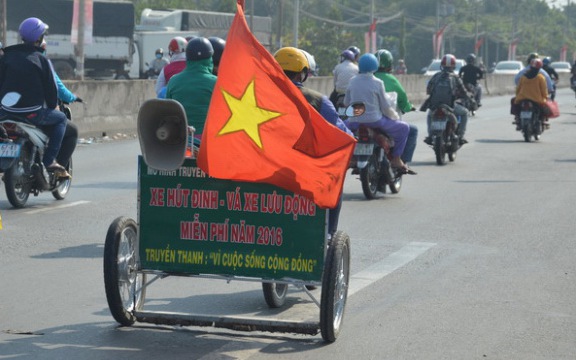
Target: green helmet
x,y
384,59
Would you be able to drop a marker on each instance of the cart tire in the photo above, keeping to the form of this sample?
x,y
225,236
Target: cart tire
x,y
275,294
335,283
125,289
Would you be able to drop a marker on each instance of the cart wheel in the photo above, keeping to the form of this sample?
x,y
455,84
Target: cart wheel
x,y
275,294
335,286
125,290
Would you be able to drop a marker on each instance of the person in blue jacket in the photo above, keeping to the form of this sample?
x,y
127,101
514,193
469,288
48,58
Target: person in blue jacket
x,y
70,138
28,89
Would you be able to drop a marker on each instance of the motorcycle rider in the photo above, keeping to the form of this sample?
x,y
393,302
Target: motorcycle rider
x,y
552,73
456,90
28,89
470,74
218,45
343,72
193,86
532,56
158,63
177,52
391,84
401,69
532,86
296,67
368,89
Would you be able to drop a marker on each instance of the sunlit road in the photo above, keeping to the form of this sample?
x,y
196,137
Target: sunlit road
x,y
472,260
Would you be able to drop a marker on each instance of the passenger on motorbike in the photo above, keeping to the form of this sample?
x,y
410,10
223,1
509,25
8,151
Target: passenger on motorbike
x,y
552,73
158,63
532,86
296,67
194,85
71,133
218,45
177,52
392,85
343,72
532,56
456,91
368,89
470,74
28,89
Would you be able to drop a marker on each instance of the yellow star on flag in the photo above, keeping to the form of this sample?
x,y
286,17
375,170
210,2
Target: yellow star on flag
x,y
246,115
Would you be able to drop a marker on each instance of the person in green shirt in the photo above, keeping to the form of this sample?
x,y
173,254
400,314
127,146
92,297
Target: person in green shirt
x,y
392,85
193,86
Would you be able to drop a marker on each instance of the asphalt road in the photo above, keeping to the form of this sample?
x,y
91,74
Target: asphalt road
x,y
471,260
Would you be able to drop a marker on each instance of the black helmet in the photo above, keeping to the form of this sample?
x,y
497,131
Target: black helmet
x,y
199,48
218,46
471,59
356,51
160,51
531,57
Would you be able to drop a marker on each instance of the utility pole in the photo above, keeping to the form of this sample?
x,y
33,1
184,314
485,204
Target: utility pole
x,y
280,20
3,29
296,21
80,45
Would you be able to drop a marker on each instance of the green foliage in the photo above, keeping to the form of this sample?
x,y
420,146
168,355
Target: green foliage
x,y
326,28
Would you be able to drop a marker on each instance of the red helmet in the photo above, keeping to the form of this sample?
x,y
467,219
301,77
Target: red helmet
x,y
177,45
536,63
448,62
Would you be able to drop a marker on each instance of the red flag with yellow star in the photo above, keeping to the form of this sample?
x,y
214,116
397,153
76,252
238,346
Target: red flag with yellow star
x,y
260,128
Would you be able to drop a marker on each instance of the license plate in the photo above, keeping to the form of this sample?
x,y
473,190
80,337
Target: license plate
x,y
9,150
438,125
363,149
526,114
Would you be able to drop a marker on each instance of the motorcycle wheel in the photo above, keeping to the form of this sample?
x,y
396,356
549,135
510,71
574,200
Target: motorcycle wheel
x,y
396,183
440,150
275,294
18,179
125,286
369,177
62,189
527,133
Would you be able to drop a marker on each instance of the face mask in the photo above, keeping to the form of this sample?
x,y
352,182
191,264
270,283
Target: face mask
x,y
158,56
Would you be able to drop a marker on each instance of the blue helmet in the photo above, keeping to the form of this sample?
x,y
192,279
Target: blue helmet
x,y
368,63
546,60
32,30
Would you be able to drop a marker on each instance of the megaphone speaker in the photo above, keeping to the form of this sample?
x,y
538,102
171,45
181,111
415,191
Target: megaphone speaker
x,y
163,133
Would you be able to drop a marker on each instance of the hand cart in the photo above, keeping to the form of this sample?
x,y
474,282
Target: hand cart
x,y
192,225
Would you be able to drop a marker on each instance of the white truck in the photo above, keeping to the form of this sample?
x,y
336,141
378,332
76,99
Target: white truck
x,y
158,27
110,53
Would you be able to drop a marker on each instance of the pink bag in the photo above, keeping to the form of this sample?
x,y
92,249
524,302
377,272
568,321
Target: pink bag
x,y
551,109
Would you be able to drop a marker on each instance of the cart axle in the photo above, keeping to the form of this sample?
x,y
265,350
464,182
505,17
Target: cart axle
x,y
227,322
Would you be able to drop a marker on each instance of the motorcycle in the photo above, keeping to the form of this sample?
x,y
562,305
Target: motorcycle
x,y
22,147
531,120
371,158
443,133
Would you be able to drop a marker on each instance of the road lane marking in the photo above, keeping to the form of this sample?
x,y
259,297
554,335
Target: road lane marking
x,y
391,263
76,203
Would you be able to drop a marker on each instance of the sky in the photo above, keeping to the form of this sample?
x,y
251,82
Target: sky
x,y
558,3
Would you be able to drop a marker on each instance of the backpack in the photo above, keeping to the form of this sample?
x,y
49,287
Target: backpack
x,y
443,91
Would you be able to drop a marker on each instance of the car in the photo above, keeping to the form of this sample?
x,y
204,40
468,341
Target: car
x,y
510,67
561,66
434,67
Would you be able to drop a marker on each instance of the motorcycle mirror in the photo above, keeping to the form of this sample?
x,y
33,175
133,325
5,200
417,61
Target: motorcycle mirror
x,y
356,109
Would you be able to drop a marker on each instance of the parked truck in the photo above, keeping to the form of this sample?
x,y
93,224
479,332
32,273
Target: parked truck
x,y
110,54
158,27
